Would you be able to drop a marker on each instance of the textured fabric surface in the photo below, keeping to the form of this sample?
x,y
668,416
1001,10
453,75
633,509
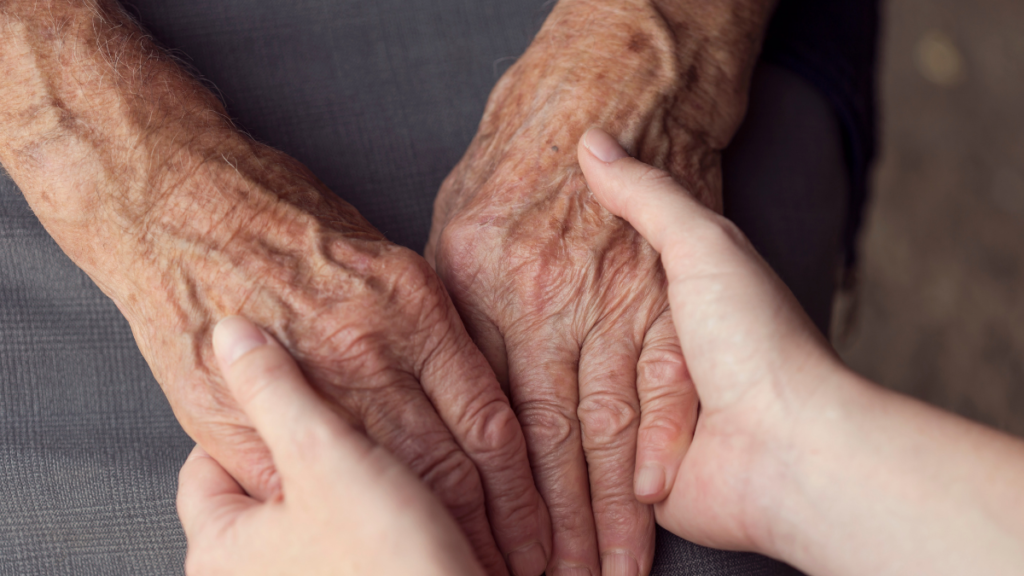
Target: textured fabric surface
x,y
89,449
380,99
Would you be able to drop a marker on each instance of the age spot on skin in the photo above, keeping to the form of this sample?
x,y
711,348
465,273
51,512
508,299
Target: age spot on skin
x,y
639,42
692,77
65,117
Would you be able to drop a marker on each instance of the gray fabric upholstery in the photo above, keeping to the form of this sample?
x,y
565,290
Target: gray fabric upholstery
x,y
379,99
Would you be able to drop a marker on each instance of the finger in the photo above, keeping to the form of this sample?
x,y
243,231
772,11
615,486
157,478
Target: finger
x,y
545,394
668,411
272,391
609,412
462,387
488,340
465,294
207,492
646,197
236,446
403,420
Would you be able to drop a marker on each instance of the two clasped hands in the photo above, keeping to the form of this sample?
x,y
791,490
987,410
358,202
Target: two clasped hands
x,y
792,455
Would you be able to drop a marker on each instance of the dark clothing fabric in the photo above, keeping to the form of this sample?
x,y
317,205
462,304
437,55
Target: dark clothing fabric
x,y
833,44
380,99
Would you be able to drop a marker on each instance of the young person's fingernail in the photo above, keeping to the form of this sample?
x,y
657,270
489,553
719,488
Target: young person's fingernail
x,y
528,561
650,480
603,146
234,336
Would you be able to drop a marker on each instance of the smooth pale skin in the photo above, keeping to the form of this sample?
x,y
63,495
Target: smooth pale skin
x,y
793,455
346,506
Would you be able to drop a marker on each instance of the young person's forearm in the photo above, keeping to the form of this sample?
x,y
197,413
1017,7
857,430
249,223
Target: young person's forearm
x,y
884,484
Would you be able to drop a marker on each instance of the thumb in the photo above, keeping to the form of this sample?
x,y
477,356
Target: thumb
x,y
646,197
733,315
287,413
693,240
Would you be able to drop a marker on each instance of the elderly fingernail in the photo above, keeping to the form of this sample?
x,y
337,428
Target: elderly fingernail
x,y
619,564
650,481
528,561
572,571
602,145
234,336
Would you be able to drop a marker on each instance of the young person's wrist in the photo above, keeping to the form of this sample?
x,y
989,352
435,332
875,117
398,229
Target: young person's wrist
x,y
817,407
822,450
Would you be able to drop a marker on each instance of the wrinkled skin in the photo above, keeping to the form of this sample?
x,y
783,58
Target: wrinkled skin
x,y
567,302
371,325
182,220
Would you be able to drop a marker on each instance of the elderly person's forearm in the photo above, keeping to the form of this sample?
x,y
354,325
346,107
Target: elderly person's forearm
x,y
106,135
133,167
717,45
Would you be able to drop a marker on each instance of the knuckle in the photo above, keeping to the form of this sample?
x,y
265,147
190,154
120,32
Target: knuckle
x,y
455,480
457,248
412,277
617,508
466,256
661,429
358,348
267,480
651,177
661,366
607,417
547,425
255,468
493,428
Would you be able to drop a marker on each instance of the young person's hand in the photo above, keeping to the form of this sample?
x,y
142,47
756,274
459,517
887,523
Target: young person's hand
x,y
794,455
743,337
346,506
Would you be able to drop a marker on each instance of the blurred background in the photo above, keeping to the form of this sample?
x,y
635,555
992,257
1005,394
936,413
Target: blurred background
x,y
938,312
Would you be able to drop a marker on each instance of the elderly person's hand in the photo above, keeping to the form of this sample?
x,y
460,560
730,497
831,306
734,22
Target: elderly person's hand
x,y
568,303
133,168
346,506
